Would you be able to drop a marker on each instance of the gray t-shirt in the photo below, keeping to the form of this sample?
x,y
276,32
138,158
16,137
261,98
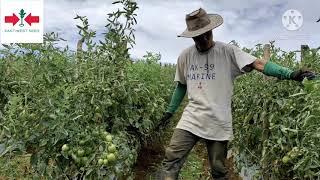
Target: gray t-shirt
x,y
209,78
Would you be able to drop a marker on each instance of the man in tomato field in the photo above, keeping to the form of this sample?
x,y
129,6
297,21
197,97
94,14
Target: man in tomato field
x,y
206,71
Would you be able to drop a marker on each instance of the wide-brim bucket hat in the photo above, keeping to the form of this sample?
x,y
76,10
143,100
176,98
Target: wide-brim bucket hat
x,y
199,22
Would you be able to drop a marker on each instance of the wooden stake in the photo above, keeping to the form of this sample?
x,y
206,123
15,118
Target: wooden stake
x,y
79,47
266,55
266,52
304,48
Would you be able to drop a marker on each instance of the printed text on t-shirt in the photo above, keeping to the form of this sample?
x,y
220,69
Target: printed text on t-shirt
x,y
199,72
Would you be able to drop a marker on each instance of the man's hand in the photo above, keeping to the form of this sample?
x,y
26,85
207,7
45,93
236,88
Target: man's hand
x,y
165,119
258,64
299,75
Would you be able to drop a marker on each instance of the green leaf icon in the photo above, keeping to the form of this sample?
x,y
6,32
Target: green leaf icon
x,y
22,14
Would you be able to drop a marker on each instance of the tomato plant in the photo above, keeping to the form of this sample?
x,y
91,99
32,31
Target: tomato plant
x,y
276,121
83,114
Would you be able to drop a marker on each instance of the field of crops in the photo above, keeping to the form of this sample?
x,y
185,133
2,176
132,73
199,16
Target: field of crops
x,y
86,114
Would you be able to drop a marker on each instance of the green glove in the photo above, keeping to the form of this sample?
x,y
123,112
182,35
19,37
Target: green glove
x,y
177,98
273,69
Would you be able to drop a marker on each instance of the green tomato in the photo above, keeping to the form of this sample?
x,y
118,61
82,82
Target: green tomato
x,y
80,152
82,142
109,138
105,133
105,161
100,162
112,148
111,157
285,159
65,148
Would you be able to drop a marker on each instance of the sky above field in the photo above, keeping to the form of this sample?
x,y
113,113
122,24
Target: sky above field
x,y
249,22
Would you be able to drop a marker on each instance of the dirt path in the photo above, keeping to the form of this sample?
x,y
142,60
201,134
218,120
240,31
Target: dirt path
x,y
149,161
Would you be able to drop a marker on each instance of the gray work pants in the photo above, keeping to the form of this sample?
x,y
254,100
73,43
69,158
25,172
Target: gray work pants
x,y
181,144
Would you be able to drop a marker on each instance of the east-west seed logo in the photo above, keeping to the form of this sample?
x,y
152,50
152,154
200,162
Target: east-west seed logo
x,y
14,19
21,21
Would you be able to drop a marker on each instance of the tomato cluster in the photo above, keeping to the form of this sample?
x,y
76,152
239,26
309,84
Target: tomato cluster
x,y
81,153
